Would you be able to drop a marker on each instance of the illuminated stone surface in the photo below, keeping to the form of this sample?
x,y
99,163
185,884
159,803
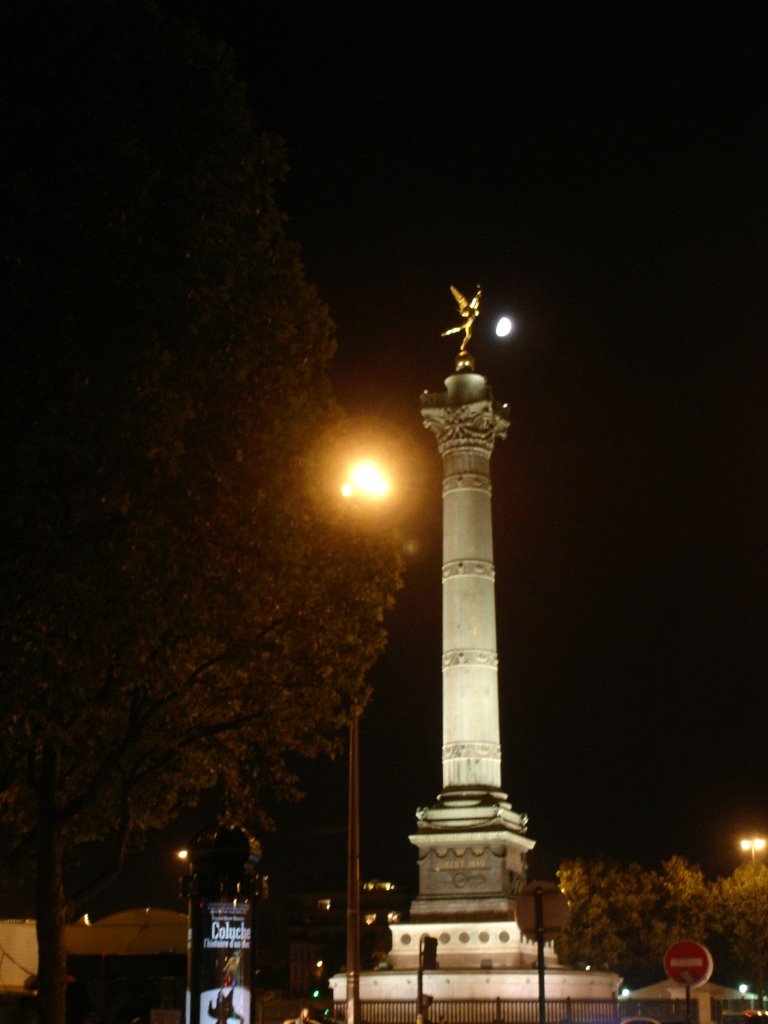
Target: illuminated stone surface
x,y
471,844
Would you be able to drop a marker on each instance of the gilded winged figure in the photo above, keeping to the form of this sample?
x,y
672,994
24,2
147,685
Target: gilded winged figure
x,y
469,311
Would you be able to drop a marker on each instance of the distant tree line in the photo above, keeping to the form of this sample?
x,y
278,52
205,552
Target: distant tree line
x,y
623,917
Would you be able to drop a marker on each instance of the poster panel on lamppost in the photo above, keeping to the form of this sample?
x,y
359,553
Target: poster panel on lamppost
x,y
220,887
225,930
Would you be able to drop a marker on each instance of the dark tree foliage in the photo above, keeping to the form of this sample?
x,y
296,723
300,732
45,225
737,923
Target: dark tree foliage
x,y
623,917
740,924
182,605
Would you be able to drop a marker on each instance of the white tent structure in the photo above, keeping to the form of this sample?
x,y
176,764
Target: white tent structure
x,y
137,932
140,931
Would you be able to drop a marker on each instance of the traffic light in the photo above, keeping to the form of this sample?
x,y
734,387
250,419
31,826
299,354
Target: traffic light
x,y
429,953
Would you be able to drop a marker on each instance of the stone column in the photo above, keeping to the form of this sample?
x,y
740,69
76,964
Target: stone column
x,y
466,423
472,844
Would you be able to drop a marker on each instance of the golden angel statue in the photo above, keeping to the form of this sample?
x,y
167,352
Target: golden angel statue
x,y
469,311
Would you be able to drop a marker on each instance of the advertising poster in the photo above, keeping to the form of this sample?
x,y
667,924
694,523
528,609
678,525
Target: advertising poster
x,y
223,963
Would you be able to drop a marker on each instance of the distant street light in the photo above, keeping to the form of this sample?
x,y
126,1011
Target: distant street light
x,y
756,844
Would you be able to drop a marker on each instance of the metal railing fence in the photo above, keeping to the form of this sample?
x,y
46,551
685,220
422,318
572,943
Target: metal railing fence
x,y
519,1011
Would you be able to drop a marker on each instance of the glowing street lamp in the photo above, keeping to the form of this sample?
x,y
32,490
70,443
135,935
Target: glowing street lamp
x,y
755,844
367,480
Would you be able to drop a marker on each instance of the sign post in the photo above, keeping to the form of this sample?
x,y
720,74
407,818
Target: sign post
x,y
427,962
690,964
541,912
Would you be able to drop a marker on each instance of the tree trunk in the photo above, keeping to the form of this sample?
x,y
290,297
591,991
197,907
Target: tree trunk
x,y
49,897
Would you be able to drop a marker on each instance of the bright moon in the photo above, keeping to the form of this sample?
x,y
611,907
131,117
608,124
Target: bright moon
x,y
504,327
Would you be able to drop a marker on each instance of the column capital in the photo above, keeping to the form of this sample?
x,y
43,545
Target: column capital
x,y
473,426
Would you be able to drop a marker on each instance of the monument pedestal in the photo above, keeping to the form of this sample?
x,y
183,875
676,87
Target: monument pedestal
x,y
478,985
472,850
470,945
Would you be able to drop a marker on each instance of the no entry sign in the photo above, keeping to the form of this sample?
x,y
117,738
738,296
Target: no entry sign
x,y
688,963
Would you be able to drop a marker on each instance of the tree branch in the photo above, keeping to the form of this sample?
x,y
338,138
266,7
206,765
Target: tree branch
x,y
114,861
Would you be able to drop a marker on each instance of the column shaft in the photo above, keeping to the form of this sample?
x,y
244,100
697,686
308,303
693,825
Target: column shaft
x,y
466,423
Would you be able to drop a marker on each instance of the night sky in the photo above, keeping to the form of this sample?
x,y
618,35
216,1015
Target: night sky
x,y
600,170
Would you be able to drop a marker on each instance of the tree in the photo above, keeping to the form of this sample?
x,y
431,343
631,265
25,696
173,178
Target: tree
x,y
182,606
741,919
687,902
624,917
609,905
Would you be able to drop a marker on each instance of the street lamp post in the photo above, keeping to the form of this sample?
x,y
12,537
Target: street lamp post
x,y
366,481
353,872
754,845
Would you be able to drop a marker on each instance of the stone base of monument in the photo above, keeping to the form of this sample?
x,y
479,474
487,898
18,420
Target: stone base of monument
x,y
486,945
468,875
477,960
479,984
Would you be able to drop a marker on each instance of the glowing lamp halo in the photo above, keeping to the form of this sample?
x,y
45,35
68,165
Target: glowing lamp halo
x,y
367,480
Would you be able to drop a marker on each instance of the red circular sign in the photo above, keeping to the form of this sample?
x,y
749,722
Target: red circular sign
x,y
688,963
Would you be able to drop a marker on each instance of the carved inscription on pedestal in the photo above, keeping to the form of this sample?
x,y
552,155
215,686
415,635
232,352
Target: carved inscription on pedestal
x,y
472,870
